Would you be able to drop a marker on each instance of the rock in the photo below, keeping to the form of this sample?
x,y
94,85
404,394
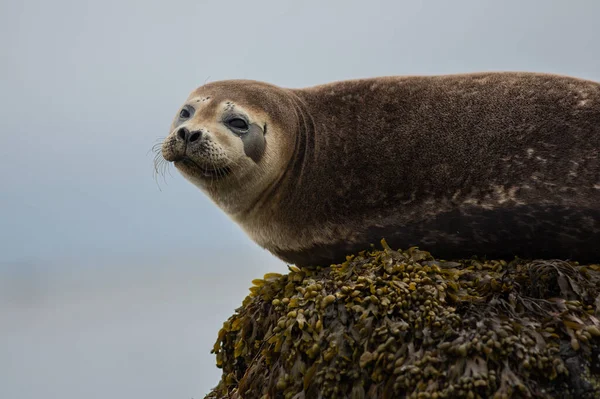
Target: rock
x,y
391,324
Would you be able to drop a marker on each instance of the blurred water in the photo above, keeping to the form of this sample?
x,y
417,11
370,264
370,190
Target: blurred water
x,y
119,331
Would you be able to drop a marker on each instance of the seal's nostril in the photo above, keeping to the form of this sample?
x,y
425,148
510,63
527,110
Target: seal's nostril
x,y
195,136
182,133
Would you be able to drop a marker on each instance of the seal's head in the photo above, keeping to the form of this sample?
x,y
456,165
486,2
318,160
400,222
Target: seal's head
x,y
232,140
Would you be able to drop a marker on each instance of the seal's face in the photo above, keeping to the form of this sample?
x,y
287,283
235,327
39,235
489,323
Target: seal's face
x,y
210,142
224,143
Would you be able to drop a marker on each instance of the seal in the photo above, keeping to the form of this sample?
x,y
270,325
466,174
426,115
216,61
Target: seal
x,y
488,164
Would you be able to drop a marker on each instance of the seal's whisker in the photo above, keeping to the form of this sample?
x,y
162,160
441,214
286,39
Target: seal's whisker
x,y
161,165
157,147
211,177
159,162
216,168
234,164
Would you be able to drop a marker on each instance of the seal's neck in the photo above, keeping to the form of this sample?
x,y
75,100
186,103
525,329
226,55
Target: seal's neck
x,y
304,148
284,189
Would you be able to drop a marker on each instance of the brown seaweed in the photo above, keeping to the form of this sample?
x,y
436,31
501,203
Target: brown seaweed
x,y
390,324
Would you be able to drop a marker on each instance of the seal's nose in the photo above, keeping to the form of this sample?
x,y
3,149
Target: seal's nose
x,y
188,137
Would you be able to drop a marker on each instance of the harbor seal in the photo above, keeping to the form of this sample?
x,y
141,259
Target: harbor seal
x,y
488,164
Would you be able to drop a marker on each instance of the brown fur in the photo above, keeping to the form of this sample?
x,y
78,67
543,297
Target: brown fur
x,y
496,164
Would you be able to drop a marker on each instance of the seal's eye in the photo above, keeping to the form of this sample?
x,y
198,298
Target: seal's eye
x,y
238,123
184,114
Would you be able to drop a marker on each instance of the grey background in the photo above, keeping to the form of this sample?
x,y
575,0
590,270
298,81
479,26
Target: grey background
x,y
110,287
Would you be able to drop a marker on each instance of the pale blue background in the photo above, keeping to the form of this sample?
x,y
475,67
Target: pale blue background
x,y
110,288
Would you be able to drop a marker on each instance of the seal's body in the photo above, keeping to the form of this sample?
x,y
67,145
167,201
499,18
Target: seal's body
x,y
489,164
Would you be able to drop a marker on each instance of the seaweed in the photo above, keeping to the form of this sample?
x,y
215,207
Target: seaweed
x,y
390,324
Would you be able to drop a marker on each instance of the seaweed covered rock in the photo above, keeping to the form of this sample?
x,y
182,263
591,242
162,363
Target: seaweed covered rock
x,y
389,324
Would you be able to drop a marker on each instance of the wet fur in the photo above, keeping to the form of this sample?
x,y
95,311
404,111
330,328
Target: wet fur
x,y
490,164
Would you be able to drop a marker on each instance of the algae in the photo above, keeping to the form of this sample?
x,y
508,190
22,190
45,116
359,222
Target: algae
x,y
390,324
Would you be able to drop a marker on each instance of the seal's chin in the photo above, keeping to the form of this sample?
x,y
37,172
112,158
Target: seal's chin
x,y
190,167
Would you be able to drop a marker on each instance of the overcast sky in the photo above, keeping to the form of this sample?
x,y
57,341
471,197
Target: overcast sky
x,y
112,287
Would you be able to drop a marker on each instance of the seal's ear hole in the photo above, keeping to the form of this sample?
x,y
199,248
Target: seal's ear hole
x,y
265,130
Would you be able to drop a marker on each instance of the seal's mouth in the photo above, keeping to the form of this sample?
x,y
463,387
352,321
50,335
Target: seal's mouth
x,y
212,173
